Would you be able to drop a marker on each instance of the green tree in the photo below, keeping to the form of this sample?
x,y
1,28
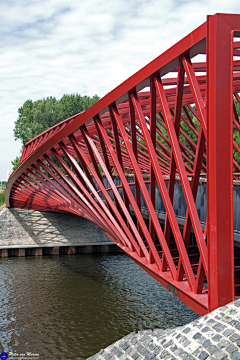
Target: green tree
x,y
236,136
15,162
34,117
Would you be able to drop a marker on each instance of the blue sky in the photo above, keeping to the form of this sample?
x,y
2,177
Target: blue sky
x,y
56,47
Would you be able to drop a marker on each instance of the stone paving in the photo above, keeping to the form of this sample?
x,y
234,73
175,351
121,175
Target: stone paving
x,y
28,227
215,336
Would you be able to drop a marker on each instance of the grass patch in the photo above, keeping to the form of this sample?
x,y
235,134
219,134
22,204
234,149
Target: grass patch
x,y
2,198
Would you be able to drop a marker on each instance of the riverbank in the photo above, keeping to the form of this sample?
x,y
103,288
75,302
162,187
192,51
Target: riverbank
x,y
2,199
215,336
28,232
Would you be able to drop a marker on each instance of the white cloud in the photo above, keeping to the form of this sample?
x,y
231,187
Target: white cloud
x,y
53,47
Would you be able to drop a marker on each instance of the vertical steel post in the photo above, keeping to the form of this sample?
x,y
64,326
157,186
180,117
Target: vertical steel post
x,y
220,162
153,132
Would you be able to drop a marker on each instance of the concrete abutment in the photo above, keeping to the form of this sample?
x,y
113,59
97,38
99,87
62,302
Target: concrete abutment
x,y
35,233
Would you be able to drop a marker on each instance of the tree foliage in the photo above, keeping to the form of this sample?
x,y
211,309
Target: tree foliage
x,y
37,116
15,162
236,136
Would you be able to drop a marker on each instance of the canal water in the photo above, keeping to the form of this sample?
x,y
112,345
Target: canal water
x,y
70,307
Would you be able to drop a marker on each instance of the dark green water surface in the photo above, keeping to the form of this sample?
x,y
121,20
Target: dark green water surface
x,y
70,307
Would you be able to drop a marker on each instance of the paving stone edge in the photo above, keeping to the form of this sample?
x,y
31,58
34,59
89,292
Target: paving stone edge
x,y
215,336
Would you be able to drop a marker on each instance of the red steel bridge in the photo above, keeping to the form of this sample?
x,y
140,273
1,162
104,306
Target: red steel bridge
x,y
174,119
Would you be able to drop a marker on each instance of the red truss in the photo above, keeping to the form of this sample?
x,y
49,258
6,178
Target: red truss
x,y
173,119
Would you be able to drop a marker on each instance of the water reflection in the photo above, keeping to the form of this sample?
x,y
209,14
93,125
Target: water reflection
x,y
69,307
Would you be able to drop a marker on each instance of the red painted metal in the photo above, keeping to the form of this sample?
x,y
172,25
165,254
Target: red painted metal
x,y
171,120
221,30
